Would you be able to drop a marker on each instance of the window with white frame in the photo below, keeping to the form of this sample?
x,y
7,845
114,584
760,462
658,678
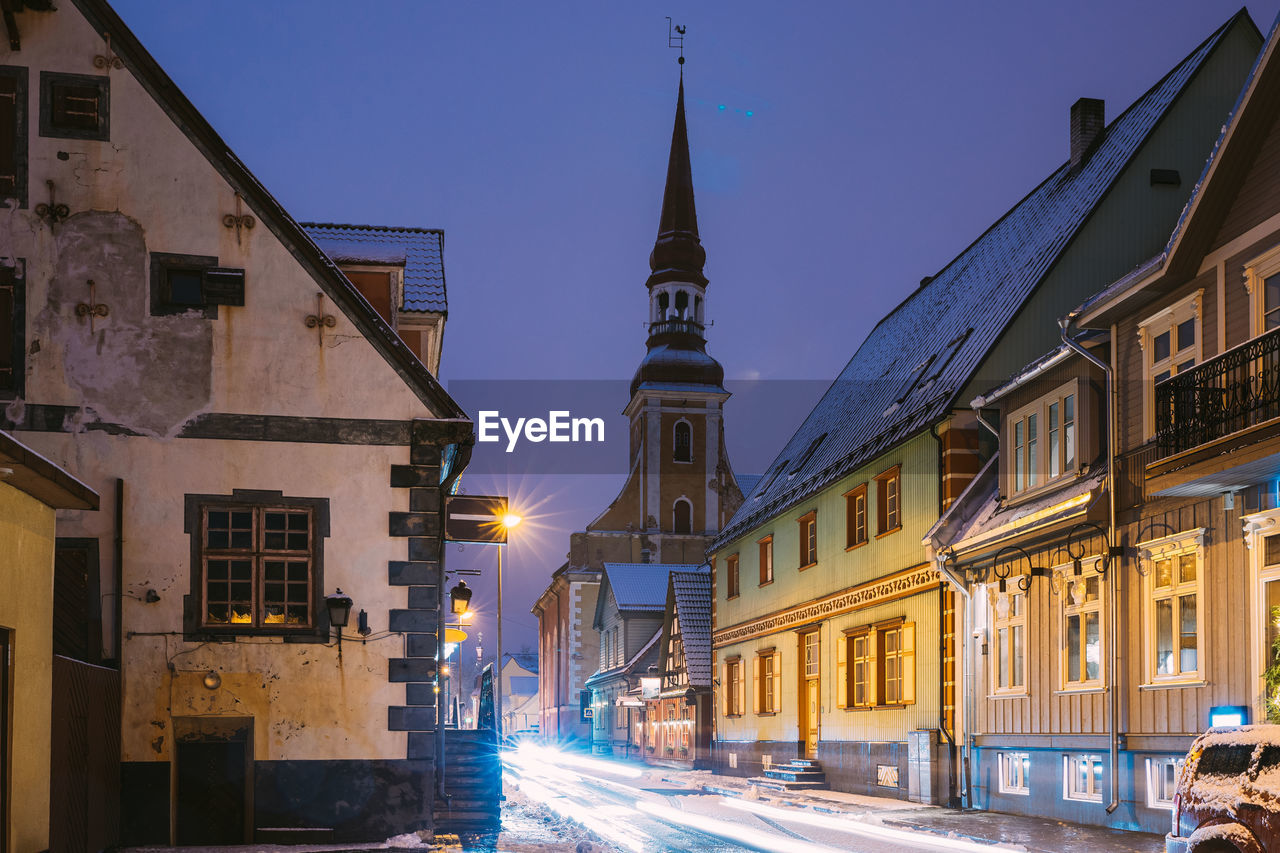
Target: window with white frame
x,y
1008,642
1015,768
1262,280
1082,778
1172,605
1162,780
1081,652
1042,438
1170,341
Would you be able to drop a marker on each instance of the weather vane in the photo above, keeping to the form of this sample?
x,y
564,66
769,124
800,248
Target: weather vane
x,y
675,38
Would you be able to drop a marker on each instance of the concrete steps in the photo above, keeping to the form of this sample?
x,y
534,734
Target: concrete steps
x,y
800,774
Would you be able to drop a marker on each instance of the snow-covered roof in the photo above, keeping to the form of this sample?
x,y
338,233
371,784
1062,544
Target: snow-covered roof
x,y
692,591
747,482
641,586
909,370
419,250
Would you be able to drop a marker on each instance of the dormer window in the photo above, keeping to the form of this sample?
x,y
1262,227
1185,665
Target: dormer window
x,y
1042,440
1170,341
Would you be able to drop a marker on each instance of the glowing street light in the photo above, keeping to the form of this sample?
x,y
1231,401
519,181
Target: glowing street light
x,y
508,520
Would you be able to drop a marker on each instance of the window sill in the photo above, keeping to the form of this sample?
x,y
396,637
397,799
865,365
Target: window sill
x,y
889,532
808,566
731,597
733,716
1011,694
1013,498
855,546
766,713
1076,691
1166,685
766,583
1095,801
1025,792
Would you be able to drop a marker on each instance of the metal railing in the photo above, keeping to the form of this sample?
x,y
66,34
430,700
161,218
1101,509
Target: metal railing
x,y
670,327
1230,392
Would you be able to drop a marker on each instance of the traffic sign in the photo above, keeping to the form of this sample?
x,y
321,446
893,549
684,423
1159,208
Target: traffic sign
x,y
475,518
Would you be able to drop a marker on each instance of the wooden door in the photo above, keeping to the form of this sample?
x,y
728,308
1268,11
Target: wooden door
x,y
810,704
211,792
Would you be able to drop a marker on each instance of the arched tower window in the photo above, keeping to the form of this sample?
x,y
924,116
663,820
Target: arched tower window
x,y
663,302
682,304
682,520
683,442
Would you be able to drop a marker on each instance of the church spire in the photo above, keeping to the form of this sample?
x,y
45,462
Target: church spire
x,y
678,254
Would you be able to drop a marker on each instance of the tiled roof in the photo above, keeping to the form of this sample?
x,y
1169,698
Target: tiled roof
x,y
641,586
747,482
907,373
526,660
420,250
693,609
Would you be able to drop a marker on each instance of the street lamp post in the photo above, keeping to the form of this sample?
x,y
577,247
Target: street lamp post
x,y
509,521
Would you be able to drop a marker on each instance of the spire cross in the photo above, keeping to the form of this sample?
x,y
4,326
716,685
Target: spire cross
x,y
675,37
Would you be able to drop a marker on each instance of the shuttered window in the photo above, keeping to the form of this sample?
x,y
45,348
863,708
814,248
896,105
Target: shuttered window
x,y
12,330
13,133
75,106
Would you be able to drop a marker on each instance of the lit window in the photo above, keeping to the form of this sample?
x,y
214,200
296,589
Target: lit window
x,y
1171,606
812,661
1008,642
1082,778
896,664
1082,630
766,560
768,681
1262,279
875,665
1162,781
808,539
733,687
258,564
1015,768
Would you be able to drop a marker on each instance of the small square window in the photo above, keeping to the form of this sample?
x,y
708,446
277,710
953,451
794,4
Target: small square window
x,y
74,106
182,283
1162,781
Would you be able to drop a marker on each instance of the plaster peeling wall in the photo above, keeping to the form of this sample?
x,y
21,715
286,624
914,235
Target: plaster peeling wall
x,y
148,373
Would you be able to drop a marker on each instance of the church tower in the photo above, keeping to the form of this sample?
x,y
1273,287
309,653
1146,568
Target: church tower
x,y
681,490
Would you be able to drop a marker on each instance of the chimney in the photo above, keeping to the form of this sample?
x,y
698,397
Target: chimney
x,y
1088,119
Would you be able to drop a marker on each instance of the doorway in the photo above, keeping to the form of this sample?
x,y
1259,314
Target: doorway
x,y
810,693
213,781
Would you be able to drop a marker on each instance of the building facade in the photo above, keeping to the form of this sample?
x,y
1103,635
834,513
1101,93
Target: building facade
x,y
268,440
1168,623
681,488
678,711
821,580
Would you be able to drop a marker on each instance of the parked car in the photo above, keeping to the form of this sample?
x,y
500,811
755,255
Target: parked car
x,y
1228,794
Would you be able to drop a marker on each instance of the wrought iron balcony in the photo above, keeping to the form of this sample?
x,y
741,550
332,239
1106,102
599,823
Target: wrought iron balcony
x,y
676,327
1228,393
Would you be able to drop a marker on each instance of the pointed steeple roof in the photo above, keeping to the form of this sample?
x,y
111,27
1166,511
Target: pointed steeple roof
x,y
678,254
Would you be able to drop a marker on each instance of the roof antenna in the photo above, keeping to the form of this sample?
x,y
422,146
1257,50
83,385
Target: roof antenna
x,y
675,38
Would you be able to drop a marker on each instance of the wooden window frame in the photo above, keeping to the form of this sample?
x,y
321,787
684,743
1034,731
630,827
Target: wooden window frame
x,y
1173,548
732,579
1256,273
13,291
855,517
197,628
1167,320
1011,622
884,513
1039,465
766,560
163,264
905,655
767,682
19,128
808,539
51,128
733,686
875,660
1068,607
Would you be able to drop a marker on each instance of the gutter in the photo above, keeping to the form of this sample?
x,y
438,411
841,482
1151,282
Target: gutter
x,y
1113,694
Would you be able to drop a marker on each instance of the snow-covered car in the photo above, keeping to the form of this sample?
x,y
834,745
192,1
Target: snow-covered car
x,y
1228,795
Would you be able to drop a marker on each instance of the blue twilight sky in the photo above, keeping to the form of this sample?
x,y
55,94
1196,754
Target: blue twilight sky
x,y
841,151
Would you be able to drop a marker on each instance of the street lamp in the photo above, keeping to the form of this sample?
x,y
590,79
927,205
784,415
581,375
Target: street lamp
x,y
508,521
460,599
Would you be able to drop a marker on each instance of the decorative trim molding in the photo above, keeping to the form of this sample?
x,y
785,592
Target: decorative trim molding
x,y
898,585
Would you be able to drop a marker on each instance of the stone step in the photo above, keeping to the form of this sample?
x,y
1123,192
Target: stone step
x,y
795,775
806,762
784,785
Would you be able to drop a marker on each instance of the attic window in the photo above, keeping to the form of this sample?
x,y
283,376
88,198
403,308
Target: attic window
x,y
808,454
74,106
182,283
760,490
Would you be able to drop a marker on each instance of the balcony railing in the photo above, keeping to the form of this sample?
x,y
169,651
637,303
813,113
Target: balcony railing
x,y
674,326
1233,391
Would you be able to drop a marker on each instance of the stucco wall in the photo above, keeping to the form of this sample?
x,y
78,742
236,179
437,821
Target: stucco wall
x,y
26,609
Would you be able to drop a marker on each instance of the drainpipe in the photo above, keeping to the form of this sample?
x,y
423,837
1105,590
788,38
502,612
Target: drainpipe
x,y
1113,716
942,607
966,655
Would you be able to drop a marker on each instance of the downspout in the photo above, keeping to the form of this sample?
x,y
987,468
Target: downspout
x,y
966,658
1113,715
942,629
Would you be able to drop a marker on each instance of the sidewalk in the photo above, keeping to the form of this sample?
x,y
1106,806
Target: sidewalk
x,y
1035,834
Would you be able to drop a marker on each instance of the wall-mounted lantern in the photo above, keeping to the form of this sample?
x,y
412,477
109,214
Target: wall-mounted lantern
x,y
338,604
460,598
